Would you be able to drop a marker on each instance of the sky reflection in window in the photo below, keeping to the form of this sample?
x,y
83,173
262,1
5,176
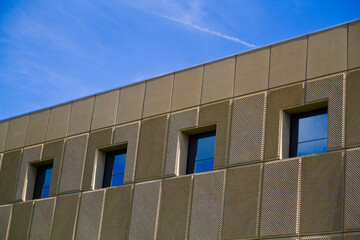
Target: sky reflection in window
x,y
205,154
312,136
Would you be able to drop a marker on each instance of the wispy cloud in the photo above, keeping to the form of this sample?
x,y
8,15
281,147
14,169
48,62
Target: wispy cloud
x,y
203,29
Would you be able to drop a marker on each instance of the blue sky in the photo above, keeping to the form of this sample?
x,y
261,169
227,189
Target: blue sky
x,y
57,51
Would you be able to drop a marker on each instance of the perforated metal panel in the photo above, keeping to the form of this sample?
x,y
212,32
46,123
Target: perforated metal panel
x,y
65,215
144,210
73,164
207,205
325,237
130,134
280,205
352,236
42,219
88,225
247,129
20,220
176,153
332,89
322,187
352,189
5,212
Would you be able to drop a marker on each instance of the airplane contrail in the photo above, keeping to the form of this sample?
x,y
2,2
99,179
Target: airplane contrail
x,y
219,34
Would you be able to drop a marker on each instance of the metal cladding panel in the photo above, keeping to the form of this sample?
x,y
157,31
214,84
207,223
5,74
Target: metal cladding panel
x,y
130,103
58,122
73,164
158,94
352,107
20,220
324,237
242,200
174,207
25,177
16,132
207,205
116,214
129,134
332,89
176,154
4,125
81,115
88,225
145,210
322,193
151,154
5,212
42,219
352,236
247,129
65,217
10,165
36,128
218,80
352,190
279,213
105,109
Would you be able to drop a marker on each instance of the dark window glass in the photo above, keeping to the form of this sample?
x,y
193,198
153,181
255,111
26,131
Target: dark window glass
x,y
309,133
42,182
201,153
114,168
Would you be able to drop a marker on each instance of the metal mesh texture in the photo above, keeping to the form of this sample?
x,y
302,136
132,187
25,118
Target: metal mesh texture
x,y
144,210
5,212
129,134
73,164
176,153
247,129
331,88
90,215
42,219
352,236
279,213
352,190
207,206
324,237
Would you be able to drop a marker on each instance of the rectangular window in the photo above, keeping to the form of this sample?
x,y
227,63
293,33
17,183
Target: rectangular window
x,y
201,153
308,133
114,168
42,182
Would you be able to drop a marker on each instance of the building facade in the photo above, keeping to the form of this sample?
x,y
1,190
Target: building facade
x,y
257,187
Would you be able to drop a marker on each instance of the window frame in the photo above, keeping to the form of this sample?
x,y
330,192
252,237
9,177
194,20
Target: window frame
x,y
40,180
192,149
294,128
109,166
